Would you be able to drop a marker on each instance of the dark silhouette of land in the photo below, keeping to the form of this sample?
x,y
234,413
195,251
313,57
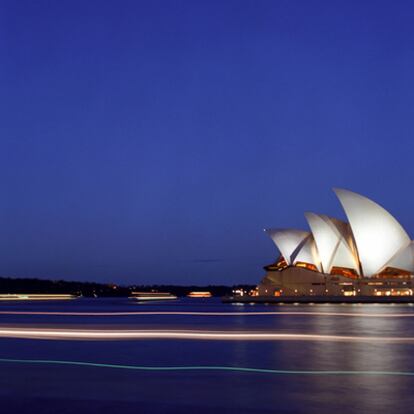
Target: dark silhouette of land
x,y
92,289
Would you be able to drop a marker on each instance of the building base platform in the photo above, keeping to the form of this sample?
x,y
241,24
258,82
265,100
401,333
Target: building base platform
x,y
317,299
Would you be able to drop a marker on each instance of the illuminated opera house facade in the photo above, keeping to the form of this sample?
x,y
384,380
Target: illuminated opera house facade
x,y
371,254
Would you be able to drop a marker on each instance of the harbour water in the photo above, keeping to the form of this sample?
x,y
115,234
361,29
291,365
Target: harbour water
x,y
348,358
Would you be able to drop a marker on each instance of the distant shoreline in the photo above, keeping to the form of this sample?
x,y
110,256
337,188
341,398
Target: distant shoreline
x,y
93,289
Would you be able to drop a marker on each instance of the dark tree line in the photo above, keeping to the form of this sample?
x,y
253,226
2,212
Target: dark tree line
x,y
91,289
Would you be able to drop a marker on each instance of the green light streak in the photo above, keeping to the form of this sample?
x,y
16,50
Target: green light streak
x,y
203,368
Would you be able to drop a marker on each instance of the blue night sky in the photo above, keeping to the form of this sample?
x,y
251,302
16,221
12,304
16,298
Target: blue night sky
x,y
152,141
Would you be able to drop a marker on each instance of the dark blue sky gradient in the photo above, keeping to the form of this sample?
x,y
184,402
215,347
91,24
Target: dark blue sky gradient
x,y
151,142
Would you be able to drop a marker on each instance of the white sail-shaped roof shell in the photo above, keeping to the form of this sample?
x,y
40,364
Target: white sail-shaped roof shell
x,y
403,259
307,253
333,242
346,254
343,257
378,235
287,241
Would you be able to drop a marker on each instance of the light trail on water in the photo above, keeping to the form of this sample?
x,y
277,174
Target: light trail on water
x,y
204,368
177,313
112,334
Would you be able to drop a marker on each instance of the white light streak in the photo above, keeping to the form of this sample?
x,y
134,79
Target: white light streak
x,y
177,313
109,334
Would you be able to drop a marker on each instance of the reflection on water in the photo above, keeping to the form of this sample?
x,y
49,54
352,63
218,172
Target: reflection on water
x,y
50,388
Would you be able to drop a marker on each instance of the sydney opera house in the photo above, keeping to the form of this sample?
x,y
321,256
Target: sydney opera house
x,y
371,254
